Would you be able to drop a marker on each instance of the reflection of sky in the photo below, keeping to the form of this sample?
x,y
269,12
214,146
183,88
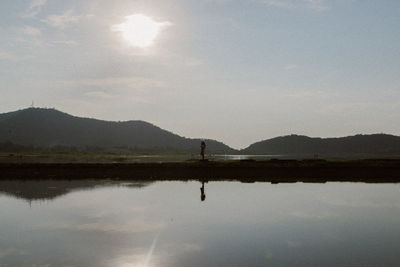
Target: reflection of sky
x,y
166,224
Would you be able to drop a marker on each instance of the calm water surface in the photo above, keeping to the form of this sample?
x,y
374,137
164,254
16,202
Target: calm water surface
x,y
92,223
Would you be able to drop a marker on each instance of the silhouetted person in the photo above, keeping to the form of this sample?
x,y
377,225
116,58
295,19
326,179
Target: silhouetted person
x,y
202,149
202,194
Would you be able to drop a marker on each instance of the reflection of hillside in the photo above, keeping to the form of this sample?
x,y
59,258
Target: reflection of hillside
x,y
51,189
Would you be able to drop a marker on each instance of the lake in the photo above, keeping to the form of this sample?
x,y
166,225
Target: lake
x,y
119,223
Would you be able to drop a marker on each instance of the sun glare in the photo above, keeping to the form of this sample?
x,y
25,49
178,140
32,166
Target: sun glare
x,y
140,30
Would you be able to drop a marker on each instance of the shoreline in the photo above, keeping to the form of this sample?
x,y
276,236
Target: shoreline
x,y
274,171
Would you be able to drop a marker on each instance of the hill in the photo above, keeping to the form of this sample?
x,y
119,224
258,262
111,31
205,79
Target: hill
x,y
350,146
50,128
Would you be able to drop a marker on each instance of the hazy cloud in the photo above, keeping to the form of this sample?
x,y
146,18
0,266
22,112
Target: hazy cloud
x,y
37,4
218,1
352,107
8,56
291,66
110,87
34,8
317,5
65,42
63,20
193,62
307,94
99,94
32,31
4,55
137,82
280,3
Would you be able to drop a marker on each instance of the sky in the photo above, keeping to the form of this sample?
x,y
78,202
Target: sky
x,y
238,71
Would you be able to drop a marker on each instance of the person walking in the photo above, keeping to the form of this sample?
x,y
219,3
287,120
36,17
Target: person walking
x,y
202,149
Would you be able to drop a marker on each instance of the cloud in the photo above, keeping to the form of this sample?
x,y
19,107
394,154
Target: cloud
x,y
111,87
316,5
65,42
218,1
352,107
307,94
34,8
193,62
136,82
32,31
63,20
37,4
118,97
280,3
291,66
4,55
8,56
135,89
99,94
120,89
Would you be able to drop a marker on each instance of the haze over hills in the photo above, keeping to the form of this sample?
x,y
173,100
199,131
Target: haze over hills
x,y
52,129
49,128
357,145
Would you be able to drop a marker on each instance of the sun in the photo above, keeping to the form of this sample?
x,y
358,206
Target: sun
x,y
140,30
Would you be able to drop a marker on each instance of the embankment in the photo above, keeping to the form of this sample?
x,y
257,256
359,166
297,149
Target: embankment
x,y
275,171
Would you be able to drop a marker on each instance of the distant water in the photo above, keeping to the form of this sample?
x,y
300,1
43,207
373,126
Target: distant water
x,y
92,223
244,157
109,158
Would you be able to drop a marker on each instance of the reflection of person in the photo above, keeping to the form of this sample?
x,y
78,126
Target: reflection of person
x,y
203,148
202,194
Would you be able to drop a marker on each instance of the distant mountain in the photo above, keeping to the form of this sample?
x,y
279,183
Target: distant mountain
x,y
357,145
50,128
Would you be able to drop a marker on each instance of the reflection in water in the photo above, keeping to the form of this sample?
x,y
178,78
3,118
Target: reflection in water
x,y
32,190
150,253
164,224
202,193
